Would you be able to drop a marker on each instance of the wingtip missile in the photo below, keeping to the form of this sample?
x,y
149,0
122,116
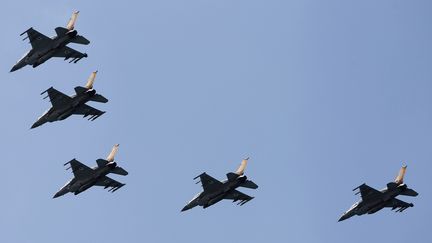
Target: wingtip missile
x,y
198,176
115,188
77,60
359,186
26,31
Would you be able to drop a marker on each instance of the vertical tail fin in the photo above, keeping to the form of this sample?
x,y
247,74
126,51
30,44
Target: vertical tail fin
x,y
114,150
400,178
90,80
241,169
71,24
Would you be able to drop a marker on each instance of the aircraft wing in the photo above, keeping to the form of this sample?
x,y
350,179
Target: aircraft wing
x,y
108,182
68,52
238,196
209,183
87,110
396,203
37,40
368,192
80,170
57,98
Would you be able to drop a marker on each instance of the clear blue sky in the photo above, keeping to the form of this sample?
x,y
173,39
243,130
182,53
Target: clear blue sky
x,y
322,95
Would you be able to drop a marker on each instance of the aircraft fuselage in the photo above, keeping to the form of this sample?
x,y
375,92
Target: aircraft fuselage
x,y
206,199
375,203
36,57
61,113
79,185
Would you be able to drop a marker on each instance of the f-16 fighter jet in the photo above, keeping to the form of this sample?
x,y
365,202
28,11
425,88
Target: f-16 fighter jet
x,y
64,106
86,177
215,190
374,200
43,47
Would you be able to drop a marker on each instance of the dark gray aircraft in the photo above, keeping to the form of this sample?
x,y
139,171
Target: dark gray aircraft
x,y
86,177
43,47
64,106
374,200
215,190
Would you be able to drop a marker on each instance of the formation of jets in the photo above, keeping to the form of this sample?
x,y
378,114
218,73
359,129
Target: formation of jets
x,y
63,106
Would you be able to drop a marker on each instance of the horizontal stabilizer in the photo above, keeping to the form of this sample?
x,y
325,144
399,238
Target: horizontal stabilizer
x,y
101,162
60,31
99,98
80,89
249,184
409,192
119,171
79,39
232,176
392,185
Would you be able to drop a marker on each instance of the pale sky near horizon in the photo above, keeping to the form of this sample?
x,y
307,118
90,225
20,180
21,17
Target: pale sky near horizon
x,y
322,95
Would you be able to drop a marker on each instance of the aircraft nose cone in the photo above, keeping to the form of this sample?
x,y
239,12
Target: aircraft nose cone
x,y
14,68
343,217
185,208
56,195
36,124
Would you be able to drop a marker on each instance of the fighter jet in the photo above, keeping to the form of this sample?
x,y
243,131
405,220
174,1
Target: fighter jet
x,y
374,200
64,106
43,47
215,190
86,177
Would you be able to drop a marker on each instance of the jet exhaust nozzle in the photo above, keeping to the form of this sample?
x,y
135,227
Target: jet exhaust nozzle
x,y
91,92
242,179
112,165
72,33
